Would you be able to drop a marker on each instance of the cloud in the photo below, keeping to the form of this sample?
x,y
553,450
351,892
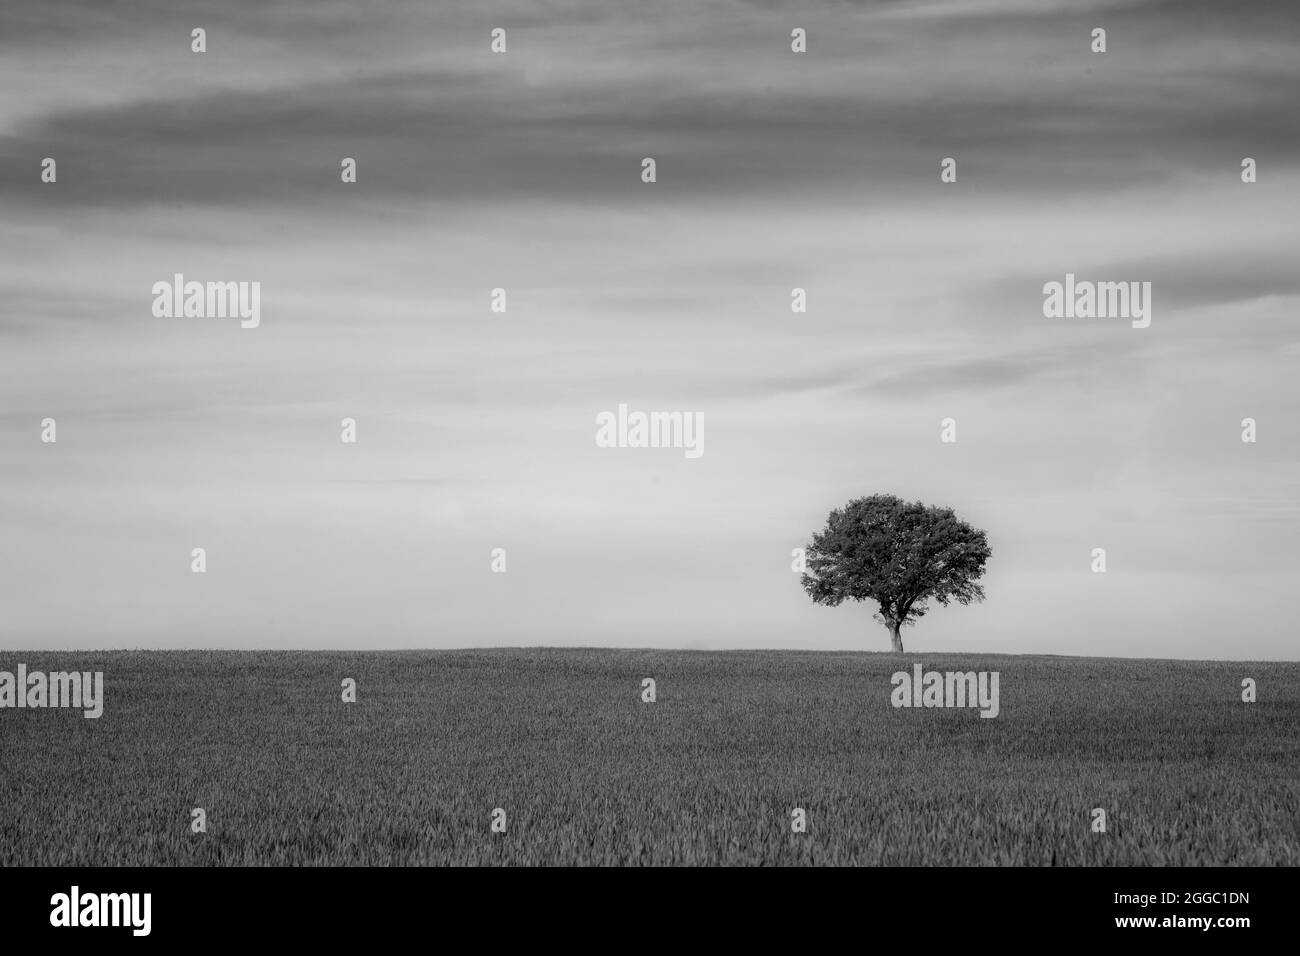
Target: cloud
x,y
570,112
776,170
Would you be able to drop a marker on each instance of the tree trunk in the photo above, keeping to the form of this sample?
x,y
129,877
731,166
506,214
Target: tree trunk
x,y
896,637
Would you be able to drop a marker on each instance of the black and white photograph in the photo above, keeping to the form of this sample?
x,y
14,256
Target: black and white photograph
x,y
745,434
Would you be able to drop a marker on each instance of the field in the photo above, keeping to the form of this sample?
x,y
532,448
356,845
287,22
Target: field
x,y
588,773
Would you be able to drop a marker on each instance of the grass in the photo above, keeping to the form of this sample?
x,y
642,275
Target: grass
x,y
589,774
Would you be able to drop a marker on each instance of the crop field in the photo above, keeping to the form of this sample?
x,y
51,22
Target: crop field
x,y
587,772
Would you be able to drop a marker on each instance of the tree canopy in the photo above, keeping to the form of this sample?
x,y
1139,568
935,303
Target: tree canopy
x,y
898,555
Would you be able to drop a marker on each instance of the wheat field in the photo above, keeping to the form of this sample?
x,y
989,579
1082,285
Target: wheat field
x,y
587,772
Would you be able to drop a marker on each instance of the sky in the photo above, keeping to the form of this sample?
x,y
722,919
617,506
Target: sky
x,y
522,171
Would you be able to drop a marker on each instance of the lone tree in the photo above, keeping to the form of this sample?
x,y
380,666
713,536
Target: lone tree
x,y
897,554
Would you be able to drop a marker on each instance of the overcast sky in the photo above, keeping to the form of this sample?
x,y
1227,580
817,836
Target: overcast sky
x,y
775,170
